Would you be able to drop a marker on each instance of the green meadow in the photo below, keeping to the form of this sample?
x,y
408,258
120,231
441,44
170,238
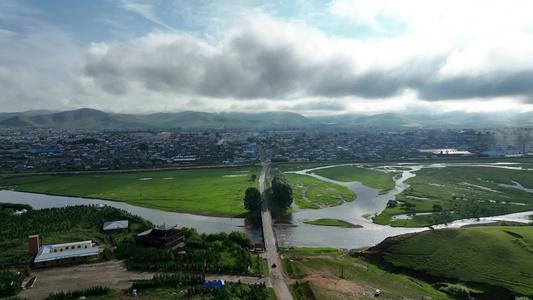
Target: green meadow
x,y
480,257
313,193
458,192
217,191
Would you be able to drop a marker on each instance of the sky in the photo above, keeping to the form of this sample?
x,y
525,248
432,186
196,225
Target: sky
x,y
311,57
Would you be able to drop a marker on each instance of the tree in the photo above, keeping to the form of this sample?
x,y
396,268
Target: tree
x,y
437,207
252,199
282,190
254,177
241,239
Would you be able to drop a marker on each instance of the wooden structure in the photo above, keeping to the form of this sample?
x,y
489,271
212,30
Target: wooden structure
x,y
161,237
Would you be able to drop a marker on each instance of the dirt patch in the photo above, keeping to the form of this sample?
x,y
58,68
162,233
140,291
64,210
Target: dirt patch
x,y
328,281
112,274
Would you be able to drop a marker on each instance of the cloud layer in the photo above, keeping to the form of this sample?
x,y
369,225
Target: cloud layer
x,y
393,54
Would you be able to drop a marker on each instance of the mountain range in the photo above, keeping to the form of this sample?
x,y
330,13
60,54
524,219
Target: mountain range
x,y
95,119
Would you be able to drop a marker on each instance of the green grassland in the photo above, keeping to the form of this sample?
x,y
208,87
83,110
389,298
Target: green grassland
x,y
332,263
318,193
459,192
374,179
481,257
211,191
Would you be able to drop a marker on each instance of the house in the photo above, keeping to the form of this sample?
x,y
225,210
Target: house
x,y
161,237
50,255
115,226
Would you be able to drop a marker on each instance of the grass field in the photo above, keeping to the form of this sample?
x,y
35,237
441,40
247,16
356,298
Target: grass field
x,y
374,179
461,192
211,191
317,192
498,256
326,270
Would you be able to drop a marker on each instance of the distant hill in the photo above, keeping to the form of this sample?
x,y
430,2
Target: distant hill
x,y
451,120
91,118
5,116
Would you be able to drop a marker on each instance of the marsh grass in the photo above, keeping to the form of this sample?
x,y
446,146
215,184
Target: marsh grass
x,y
462,192
318,192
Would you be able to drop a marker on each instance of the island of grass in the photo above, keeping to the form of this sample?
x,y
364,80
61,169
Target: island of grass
x,y
332,222
442,195
371,178
217,191
313,193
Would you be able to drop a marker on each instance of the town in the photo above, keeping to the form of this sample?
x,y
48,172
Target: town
x,y
54,150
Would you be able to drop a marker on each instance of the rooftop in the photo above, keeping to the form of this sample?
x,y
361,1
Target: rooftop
x,y
45,254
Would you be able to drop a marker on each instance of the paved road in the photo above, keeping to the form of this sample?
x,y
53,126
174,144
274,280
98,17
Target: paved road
x,y
271,246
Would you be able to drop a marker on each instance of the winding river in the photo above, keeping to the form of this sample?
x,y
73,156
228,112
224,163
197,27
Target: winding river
x,y
290,230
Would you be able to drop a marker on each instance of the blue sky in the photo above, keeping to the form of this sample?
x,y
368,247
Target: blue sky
x,y
309,57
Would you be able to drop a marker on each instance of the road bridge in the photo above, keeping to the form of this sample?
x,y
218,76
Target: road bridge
x,y
276,274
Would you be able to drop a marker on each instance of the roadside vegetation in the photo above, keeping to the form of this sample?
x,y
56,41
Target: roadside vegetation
x,y
314,193
177,190
492,260
442,195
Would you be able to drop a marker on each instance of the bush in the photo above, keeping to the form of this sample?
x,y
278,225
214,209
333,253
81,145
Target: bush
x,y
107,254
241,239
92,291
458,290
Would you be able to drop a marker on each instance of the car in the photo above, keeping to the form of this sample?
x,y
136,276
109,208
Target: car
x,y
376,293
273,265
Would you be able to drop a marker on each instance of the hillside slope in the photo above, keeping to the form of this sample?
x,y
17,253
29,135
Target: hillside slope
x,y
490,256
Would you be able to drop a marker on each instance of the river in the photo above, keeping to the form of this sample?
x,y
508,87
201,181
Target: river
x,y
290,230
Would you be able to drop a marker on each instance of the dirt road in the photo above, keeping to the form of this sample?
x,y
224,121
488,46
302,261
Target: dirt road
x,y
112,274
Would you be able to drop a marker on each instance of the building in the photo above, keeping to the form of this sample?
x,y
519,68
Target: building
x,y
50,255
161,237
115,226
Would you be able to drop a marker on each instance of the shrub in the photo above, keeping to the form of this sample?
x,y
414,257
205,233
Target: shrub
x,y
107,254
458,290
